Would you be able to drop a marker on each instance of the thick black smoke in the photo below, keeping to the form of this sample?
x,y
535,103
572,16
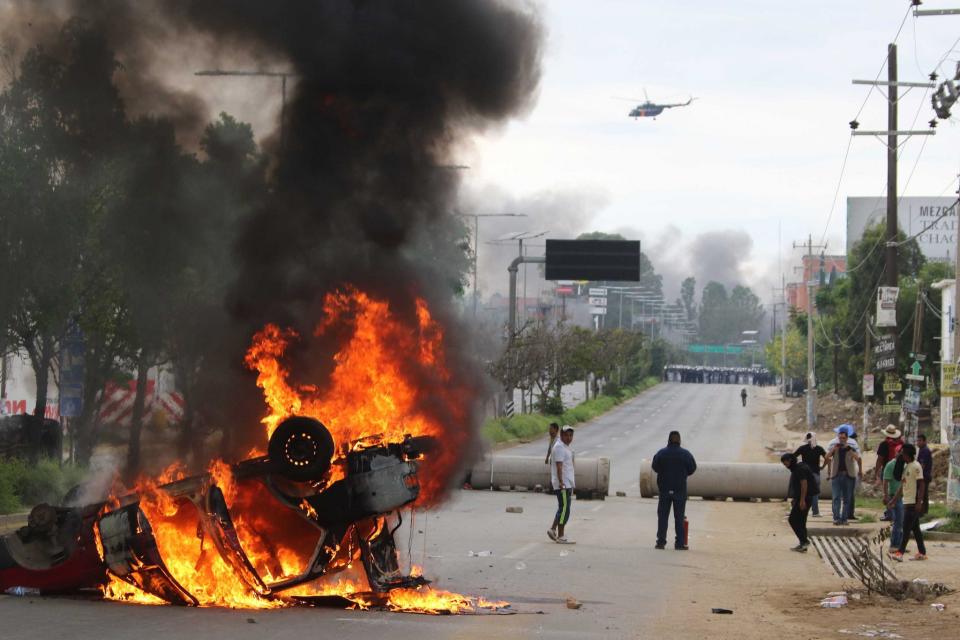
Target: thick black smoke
x,y
363,188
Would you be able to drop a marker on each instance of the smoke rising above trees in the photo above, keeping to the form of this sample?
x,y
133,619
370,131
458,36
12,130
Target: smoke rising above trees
x,y
163,255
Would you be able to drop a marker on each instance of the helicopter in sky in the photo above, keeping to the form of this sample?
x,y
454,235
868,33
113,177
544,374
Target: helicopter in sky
x,y
648,109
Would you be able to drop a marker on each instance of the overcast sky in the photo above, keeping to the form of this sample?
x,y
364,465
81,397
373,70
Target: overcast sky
x,y
760,148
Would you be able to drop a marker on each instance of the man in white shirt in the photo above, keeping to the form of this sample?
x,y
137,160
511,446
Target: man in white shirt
x,y
562,481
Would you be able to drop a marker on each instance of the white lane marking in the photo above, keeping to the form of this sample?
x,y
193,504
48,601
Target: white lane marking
x,y
519,552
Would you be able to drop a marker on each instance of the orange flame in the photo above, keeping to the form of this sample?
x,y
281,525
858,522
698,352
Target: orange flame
x,y
390,379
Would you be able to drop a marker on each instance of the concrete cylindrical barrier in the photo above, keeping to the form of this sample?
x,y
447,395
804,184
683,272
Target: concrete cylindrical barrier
x,y
741,480
592,475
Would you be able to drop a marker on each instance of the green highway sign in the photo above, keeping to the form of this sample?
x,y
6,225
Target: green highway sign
x,y
714,348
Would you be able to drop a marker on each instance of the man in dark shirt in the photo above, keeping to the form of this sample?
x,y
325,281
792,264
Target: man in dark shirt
x,y
925,458
811,454
672,464
802,486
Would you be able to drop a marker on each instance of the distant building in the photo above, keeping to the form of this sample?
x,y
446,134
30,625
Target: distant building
x,y
817,271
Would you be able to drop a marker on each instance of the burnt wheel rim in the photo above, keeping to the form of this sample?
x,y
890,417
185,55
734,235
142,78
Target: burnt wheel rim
x,y
300,449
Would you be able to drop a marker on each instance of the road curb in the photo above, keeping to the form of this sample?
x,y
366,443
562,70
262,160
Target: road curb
x,y
12,520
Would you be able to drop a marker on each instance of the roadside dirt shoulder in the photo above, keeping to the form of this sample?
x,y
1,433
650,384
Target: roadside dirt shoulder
x,y
744,564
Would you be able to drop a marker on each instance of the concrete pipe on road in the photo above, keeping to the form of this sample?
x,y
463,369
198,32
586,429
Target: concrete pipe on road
x,y
528,472
738,480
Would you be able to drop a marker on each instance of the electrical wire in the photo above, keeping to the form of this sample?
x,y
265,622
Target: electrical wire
x,y
846,155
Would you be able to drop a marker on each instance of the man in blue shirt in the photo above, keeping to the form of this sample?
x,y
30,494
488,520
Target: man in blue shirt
x,y
672,464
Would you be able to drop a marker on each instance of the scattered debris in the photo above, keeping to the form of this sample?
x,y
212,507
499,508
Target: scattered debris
x,y
514,509
833,602
722,611
621,494
573,603
870,631
938,606
251,621
479,554
520,566
564,554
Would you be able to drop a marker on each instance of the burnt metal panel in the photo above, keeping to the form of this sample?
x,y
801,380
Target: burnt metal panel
x,y
131,553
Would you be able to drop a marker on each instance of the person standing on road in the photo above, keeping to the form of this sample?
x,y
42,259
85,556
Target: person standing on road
x,y
844,469
811,454
802,487
743,396
912,491
672,464
562,479
925,458
892,500
887,451
554,430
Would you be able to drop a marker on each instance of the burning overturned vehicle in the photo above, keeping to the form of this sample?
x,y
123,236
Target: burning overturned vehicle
x,y
63,549
312,516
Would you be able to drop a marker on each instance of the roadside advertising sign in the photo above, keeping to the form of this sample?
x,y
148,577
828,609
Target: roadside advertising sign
x,y
887,306
867,385
885,353
950,381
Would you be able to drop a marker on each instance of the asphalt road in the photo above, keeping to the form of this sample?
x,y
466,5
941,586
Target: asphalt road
x,y
613,570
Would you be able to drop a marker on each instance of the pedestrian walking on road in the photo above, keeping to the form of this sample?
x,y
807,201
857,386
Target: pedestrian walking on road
x,y
562,479
743,396
912,491
892,500
844,461
802,487
672,464
554,430
812,454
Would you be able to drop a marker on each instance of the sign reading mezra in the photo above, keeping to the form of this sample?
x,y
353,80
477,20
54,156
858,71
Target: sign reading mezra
x,y
933,218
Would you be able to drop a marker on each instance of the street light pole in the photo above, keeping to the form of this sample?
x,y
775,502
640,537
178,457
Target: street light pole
x,y
476,234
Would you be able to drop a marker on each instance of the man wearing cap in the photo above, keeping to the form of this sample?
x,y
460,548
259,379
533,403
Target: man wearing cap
x,y
563,482
672,464
843,461
887,451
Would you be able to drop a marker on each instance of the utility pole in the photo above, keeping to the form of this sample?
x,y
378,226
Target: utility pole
x,y
476,234
783,336
866,371
890,275
892,135
811,369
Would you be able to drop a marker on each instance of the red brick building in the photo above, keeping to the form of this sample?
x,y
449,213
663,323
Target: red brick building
x,y
816,269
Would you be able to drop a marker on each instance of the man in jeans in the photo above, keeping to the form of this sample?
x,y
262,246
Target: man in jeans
x,y
912,490
843,461
802,486
672,464
891,487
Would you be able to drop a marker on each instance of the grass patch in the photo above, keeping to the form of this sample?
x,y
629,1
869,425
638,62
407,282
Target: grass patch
x,y
531,425
952,525
23,485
